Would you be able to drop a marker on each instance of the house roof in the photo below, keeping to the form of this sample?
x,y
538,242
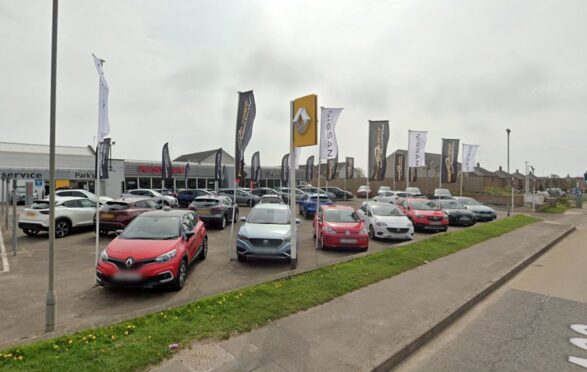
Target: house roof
x,y
430,159
44,149
198,157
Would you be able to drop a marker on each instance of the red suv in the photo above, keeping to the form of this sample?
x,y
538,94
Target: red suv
x,y
116,214
424,214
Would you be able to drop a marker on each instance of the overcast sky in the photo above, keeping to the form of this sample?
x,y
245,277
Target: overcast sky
x,y
458,69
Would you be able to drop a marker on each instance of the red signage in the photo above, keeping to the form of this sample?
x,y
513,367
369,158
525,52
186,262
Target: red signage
x,y
157,169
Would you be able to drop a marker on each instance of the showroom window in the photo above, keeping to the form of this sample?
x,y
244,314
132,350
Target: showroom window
x,y
144,183
156,183
130,183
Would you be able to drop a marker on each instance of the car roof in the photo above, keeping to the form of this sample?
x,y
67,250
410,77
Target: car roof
x,y
271,196
211,196
340,207
271,206
130,199
72,190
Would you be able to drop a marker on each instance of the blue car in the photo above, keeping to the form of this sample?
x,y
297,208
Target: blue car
x,y
186,197
307,204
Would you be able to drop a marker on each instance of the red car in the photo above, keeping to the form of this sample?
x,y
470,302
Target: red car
x,y
156,248
337,226
117,214
424,214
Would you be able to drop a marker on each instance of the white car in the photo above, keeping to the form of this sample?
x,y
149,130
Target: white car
x,y
383,189
70,212
81,193
386,221
156,196
387,197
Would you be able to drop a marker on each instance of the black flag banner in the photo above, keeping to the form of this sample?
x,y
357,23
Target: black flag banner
x,y
103,153
378,138
413,174
285,169
186,172
166,167
223,181
399,168
349,168
331,168
450,154
310,168
256,167
244,130
218,175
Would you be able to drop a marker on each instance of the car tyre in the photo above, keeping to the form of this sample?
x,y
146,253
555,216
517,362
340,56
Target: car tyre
x,y
204,252
62,228
321,244
222,224
250,203
182,271
371,232
235,217
241,257
30,232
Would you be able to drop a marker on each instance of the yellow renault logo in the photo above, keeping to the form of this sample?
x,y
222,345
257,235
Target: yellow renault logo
x,y
302,120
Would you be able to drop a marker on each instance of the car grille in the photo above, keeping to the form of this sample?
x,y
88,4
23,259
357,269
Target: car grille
x,y
485,212
266,242
434,218
398,230
136,264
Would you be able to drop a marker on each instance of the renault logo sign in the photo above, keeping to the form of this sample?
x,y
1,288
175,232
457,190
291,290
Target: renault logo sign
x,y
301,120
129,261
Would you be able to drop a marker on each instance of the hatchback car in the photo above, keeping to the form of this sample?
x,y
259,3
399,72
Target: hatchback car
x,y
155,249
387,197
424,214
117,214
70,213
482,212
265,233
260,191
458,215
243,197
215,210
155,195
338,226
383,189
442,194
308,204
364,192
339,194
386,221
185,197
314,190
271,198
81,193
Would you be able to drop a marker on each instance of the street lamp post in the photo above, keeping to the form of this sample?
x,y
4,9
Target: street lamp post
x,y
510,207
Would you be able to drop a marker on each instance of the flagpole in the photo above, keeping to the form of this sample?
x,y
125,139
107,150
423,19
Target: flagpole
x,y
462,164
440,174
317,200
292,190
98,166
407,165
234,186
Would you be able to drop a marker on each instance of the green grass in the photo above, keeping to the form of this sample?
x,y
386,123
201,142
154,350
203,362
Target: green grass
x,y
139,343
558,209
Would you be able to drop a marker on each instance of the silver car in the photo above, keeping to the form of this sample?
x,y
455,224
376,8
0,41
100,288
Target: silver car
x,y
265,233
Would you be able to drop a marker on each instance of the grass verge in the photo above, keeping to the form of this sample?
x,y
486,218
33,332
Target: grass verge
x,y
139,343
558,209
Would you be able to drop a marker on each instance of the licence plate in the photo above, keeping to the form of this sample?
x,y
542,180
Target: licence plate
x,y
464,218
435,222
348,241
124,276
265,250
29,213
203,211
106,216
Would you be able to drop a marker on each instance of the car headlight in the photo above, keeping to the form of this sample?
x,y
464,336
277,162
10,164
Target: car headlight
x,y
380,224
287,238
418,215
329,230
167,256
445,217
104,255
364,230
242,237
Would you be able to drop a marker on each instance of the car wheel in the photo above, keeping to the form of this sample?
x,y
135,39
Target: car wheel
x,y
235,217
103,232
250,203
204,251
241,257
62,228
371,232
223,222
181,274
320,244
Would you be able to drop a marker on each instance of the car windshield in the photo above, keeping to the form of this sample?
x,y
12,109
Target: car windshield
x,y
323,199
386,210
272,199
340,215
469,201
152,228
269,216
425,205
442,192
206,202
451,204
363,187
386,193
413,190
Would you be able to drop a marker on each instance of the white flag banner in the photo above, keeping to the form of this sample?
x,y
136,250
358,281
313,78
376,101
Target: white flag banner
x,y
103,121
328,144
469,152
416,148
298,152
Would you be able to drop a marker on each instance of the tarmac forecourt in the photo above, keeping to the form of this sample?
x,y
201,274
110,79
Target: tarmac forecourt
x,y
144,341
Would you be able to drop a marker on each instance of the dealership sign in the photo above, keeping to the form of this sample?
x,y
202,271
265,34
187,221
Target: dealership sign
x,y
43,174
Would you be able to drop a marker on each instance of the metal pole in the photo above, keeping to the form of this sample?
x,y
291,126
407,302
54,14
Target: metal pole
x,y
51,300
512,183
14,217
440,173
2,200
533,195
7,195
98,166
526,185
462,163
318,199
292,190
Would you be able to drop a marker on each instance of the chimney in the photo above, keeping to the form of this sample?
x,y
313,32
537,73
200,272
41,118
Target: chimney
x,y
478,165
500,167
517,171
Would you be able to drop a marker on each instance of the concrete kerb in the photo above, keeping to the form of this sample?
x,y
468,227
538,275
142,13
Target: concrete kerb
x,y
392,361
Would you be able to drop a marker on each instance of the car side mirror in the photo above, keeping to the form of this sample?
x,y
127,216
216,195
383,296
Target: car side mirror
x,y
188,234
243,219
118,232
